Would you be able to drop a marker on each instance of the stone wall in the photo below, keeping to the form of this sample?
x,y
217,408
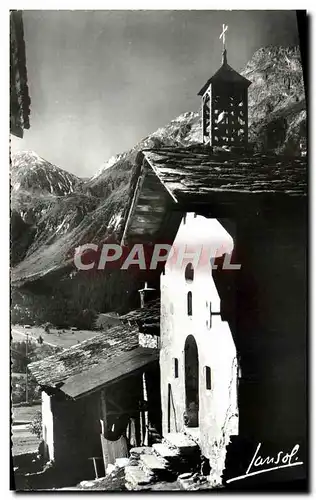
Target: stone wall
x,y
48,425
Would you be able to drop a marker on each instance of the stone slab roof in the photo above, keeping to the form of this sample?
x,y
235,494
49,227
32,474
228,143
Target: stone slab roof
x,y
149,315
109,370
53,371
200,173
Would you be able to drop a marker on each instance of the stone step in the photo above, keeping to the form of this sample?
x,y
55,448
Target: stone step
x,y
181,442
121,463
131,487
178,463
163,450
140,450
153,463
193,433
159,467
136,476
193,482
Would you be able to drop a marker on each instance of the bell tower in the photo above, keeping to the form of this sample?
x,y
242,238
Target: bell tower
x,y
225,105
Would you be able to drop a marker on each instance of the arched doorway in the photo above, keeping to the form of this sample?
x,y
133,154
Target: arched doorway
x,y
191,363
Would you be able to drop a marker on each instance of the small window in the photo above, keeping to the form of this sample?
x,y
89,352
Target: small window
x,y
189,299
189,273
210,326
208,378
176,367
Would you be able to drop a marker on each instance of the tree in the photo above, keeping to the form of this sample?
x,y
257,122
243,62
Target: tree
x,y
36,425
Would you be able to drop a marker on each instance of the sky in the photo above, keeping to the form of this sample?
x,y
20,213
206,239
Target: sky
x,y
100,81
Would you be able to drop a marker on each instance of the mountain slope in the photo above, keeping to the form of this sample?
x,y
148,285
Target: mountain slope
x,y
277,108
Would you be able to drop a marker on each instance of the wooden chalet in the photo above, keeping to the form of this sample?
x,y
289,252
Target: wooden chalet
x,y
95,399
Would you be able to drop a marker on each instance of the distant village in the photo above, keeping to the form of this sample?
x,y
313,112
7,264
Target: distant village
x,y
176,394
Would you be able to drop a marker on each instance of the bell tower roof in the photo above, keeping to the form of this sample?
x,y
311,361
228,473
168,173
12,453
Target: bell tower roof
x,y
225,74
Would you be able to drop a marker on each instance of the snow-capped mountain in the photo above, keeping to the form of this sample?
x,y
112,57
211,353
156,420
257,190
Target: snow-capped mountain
x,y
32,173
46,202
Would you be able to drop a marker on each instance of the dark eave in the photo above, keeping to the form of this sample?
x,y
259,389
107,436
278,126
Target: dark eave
x,y
19,93
149,205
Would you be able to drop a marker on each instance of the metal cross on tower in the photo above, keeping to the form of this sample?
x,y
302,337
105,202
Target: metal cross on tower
x,y
222,35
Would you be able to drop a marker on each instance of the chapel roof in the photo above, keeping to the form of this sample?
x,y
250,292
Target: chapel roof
x,y
202,172
170,181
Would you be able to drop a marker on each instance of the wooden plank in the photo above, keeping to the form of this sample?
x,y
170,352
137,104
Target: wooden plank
x,y
156,209
105,453
165,187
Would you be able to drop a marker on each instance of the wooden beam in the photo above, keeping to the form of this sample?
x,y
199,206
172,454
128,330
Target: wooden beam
x,y
161,181
118,407
133,204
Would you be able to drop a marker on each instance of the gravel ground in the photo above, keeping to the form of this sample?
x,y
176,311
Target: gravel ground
x,y
112,482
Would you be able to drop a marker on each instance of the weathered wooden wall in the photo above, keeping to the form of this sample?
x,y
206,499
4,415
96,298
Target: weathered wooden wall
x,y
77,434
268,316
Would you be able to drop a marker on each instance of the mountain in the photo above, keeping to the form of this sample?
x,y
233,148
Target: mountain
x,y
32,173
53,211
46,203
277,107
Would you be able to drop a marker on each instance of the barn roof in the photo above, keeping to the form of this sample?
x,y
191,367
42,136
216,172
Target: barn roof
x,y
145,317
104,358
53,371
109,370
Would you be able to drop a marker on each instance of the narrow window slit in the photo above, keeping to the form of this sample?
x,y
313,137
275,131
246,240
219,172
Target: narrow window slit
x,y
208,378
176,367
189,303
